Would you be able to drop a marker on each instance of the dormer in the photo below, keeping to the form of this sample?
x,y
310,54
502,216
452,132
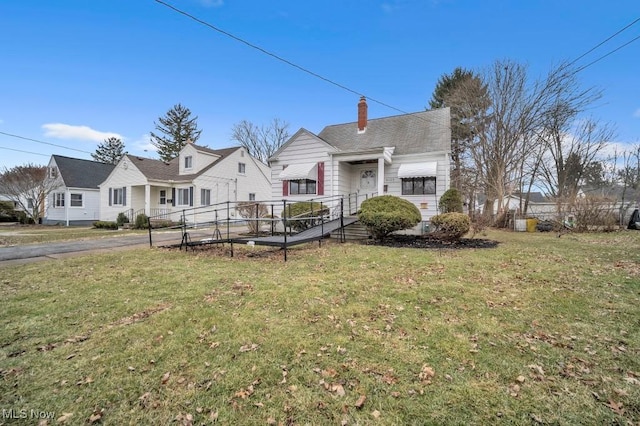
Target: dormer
x,y
194,158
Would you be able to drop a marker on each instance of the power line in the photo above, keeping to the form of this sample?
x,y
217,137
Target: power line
x,y
26,152
603,42
607,54
42,142
286,61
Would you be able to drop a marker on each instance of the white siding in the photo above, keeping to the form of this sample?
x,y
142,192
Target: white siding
x,y
199,159
90,210
304,149
120,177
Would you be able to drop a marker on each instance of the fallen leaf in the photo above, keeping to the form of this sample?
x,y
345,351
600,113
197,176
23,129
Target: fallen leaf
x,y
64,417
426,374
376,414
247,348
338,389
96,416
165,377
360,402
520,379
616,407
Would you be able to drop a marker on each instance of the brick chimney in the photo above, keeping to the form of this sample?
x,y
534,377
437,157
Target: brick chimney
x,y
362,114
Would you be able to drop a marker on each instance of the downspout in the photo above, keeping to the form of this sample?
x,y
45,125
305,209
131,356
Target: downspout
x,y
67,203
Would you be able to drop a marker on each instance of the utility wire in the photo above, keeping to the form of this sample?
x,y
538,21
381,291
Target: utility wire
x,y
45,143
603,42
26,152
605,55
281,59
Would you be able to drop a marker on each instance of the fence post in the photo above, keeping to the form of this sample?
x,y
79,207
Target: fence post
x,y
257,221
284,216
228,219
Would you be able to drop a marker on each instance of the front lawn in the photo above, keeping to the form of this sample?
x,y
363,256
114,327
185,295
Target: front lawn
x,y
538,330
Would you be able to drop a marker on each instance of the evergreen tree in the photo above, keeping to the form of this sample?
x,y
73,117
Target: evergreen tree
x,y
175,129
110,151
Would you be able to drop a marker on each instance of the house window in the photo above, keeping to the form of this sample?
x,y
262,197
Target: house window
x,y
118,196
242,168
418,186
302,186
58,199
163,197
53,172
205,197
188,162
252,196
30,203
76,200
183,196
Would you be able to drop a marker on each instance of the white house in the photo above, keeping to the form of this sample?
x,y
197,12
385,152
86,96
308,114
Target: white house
x,y
76,198
405,155
198,177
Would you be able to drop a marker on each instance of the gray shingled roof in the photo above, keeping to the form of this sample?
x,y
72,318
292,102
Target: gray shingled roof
x,y
415,133
160,170
77,173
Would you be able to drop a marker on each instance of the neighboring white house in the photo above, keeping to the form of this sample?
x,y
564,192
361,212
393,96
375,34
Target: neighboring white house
x,y
198,177
76,198
405,155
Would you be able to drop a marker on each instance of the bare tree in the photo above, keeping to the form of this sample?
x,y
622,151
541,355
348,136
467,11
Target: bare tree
x,y
28,186
261,141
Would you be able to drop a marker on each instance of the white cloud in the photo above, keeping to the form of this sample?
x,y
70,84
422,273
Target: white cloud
x,y
635,114
143,146
68,131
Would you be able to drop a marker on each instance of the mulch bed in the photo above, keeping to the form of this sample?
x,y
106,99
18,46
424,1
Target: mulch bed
x,y
427,242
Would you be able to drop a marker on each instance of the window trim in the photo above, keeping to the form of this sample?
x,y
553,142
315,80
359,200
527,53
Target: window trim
x,y
188,162
58,200
118,201
307,184
424,180
205,195
162,197
183,194
71,200
242,168
252,196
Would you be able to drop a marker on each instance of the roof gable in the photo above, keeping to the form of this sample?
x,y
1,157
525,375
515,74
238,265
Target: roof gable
x,y
78,173
302,131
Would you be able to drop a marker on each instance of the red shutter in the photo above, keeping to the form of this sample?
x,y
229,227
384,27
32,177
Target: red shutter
x,y
321,178
285,185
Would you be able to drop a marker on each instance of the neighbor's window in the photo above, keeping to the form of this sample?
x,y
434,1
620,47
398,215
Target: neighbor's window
x,y
53,172
302,186
30,203
118,196
419,186
205,197
188,162
252,196
163,196
58,199
242,168
76,200
183,196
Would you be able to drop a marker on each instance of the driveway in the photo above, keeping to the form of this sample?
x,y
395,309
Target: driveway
x,y
54,250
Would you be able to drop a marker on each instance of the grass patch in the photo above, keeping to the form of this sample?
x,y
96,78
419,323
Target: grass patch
x,y
538,330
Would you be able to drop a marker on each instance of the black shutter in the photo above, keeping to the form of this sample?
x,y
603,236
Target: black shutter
x,y
110,197
191,196
173,197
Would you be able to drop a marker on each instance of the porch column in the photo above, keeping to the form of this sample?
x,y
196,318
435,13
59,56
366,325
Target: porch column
x,y
67,204
381,176
147,200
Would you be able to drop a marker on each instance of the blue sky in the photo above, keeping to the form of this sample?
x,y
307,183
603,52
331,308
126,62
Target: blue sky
x,y
73,72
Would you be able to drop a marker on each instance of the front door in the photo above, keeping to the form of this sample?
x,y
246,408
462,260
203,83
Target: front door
x,y
368,182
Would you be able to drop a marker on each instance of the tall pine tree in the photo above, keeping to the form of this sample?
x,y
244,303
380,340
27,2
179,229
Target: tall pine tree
x,y
110,151
174,130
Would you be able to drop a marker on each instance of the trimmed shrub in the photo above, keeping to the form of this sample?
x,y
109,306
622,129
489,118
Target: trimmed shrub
x,y
101,224
451,226
451,201
299,212
122,219
142,221
387,213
